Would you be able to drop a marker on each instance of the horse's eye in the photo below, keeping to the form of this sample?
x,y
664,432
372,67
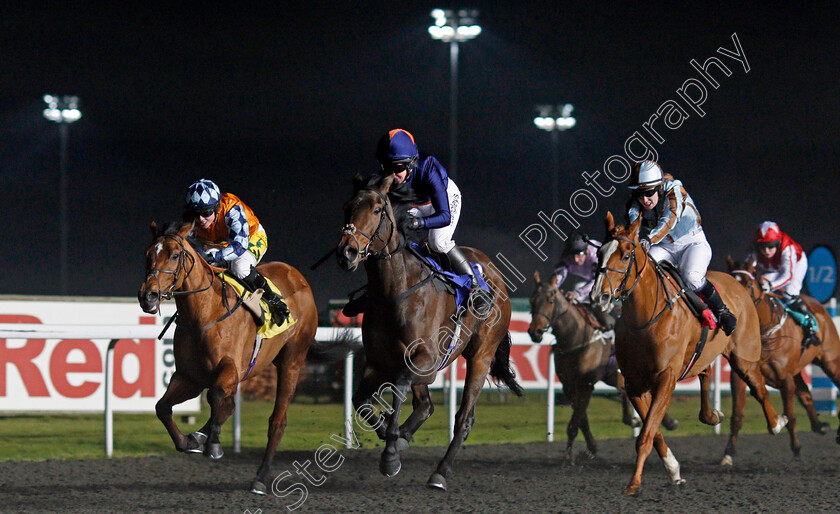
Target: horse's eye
x,y
377,210
175,256
626,258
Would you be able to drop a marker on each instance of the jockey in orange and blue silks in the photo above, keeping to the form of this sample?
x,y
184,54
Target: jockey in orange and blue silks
x,y
232,235
782,265
670,230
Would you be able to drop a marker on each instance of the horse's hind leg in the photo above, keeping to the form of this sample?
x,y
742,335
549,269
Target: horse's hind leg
x,y
288,363
422,408
832,369
739,399
365,410
178,391
477,369
787,389
803,394
580,395
389,462
751,373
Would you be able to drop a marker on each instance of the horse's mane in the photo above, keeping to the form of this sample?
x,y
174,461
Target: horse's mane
x,y
401,195
174,227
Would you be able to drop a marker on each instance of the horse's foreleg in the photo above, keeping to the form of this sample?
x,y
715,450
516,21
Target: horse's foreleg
x,y
739,398
628,415
580,402
220,398
787,390
803,394
477,370
288,363
178,391
655,411
751,373
707,415
389,462
422,409
832,369
365,411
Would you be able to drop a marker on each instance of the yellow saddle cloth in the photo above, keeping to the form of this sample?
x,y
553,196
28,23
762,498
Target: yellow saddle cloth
x,y
270,328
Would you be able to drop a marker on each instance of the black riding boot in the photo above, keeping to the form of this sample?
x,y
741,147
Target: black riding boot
x,y
809,337
461,266
710,295
279,309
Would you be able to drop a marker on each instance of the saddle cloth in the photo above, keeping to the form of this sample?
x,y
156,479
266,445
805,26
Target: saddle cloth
x,y
461,283
270,328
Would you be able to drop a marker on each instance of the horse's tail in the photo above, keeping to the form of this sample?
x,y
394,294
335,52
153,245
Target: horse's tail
x,y
335,349
500,369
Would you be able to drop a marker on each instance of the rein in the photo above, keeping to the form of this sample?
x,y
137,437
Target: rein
x,y
351,230
771,299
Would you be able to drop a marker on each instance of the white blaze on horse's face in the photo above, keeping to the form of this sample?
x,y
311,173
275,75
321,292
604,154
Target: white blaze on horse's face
x,y
158,249
604,254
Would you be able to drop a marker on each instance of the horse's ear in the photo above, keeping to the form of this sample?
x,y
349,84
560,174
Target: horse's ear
x,y
635,226
154,228
609,222
730,263
358,182
185,229
553,280
537,277
386,184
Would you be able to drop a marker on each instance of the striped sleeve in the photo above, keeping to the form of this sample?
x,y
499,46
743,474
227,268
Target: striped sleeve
x,y
669,217
238,233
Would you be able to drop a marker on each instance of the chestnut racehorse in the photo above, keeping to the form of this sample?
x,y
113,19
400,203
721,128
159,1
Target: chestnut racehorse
x,y
583,357
656,337
783,358
214,340
409,330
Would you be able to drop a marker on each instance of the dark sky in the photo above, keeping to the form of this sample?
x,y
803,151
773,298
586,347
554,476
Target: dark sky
x,y
282,108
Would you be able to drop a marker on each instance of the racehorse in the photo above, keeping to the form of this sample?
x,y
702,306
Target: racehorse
x,y
783,358
215,340
656,339
411,330
583,356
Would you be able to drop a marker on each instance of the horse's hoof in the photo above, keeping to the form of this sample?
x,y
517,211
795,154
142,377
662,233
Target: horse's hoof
x,y
780,424
436,481
258,487
670,425
631,490
720,416
678,481
726,461
213,451
402,444
634,423
796,452
390,467
822,428
195,442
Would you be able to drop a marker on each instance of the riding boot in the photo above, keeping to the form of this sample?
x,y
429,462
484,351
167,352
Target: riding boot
x,y
604,318
809,337
712,298
355,305
460,266
279,309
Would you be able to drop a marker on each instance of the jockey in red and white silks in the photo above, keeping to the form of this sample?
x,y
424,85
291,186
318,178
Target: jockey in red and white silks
x,y
779,259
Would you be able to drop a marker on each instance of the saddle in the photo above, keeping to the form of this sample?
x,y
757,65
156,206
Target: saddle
x,y
252,300
445,279
695,304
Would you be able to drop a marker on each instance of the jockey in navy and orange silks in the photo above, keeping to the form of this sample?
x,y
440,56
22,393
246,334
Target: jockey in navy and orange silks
x,y
782,265
232,235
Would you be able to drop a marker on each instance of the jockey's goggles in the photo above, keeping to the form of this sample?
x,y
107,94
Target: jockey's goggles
x,y
767,244
205,212
647,193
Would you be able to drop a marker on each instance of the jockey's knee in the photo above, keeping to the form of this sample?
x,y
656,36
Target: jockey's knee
x,y
241,267
441,246
695,280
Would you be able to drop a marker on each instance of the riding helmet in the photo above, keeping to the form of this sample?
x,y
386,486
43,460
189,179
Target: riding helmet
x,y
767,235
645,175
203,194
396,146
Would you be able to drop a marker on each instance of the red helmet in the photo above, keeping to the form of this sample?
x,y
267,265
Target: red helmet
x,y
767,235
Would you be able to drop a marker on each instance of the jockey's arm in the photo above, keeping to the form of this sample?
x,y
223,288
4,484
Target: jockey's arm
x,y
238,233
782,276
440,201
670,217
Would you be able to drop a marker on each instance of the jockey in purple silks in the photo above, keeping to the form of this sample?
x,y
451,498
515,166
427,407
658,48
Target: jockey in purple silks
x,y
577,268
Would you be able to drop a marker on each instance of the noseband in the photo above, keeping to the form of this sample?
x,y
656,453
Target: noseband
x,y
180,267
619,292
351,230
554,315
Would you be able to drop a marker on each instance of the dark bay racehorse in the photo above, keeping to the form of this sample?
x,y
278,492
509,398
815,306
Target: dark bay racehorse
x,y
656,337
783,358
215,338
408,330
583,357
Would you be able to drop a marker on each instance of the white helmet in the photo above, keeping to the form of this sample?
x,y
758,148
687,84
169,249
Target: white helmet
x,y
645,175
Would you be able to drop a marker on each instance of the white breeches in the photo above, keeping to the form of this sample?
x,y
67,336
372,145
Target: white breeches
x,y
691,255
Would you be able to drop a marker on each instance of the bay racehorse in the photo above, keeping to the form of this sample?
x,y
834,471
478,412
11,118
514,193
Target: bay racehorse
x,y
215,338
583,356
656,337
411,330
783,358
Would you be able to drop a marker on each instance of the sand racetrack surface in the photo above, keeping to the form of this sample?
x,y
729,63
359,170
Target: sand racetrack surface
x,y
498,478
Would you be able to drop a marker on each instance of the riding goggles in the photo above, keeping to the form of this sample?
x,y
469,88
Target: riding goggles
x,y
204,213
647,193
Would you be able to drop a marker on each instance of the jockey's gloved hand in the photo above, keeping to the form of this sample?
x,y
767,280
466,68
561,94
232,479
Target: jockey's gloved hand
x,y
765,285
645,243
416,223
212,255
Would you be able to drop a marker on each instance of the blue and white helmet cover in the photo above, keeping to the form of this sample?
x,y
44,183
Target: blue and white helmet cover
x,y
203,194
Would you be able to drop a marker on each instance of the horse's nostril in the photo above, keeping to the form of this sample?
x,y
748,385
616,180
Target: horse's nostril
x,y
349,252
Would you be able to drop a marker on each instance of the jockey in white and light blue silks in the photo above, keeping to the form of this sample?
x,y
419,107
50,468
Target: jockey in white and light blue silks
x,y
670,230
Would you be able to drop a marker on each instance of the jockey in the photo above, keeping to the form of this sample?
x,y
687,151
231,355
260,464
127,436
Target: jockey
x,y
397,154
782,265
671,231
233,238
579,265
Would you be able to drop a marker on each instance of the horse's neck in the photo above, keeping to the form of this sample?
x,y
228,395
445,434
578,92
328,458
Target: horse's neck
x,y
391,277
648,289
571,329
195,306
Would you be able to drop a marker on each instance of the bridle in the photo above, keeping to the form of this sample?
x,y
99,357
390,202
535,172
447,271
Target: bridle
x,y
553,293
351,230
619,293
179,268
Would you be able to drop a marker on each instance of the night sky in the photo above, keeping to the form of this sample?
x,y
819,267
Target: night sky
x,y
282,108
